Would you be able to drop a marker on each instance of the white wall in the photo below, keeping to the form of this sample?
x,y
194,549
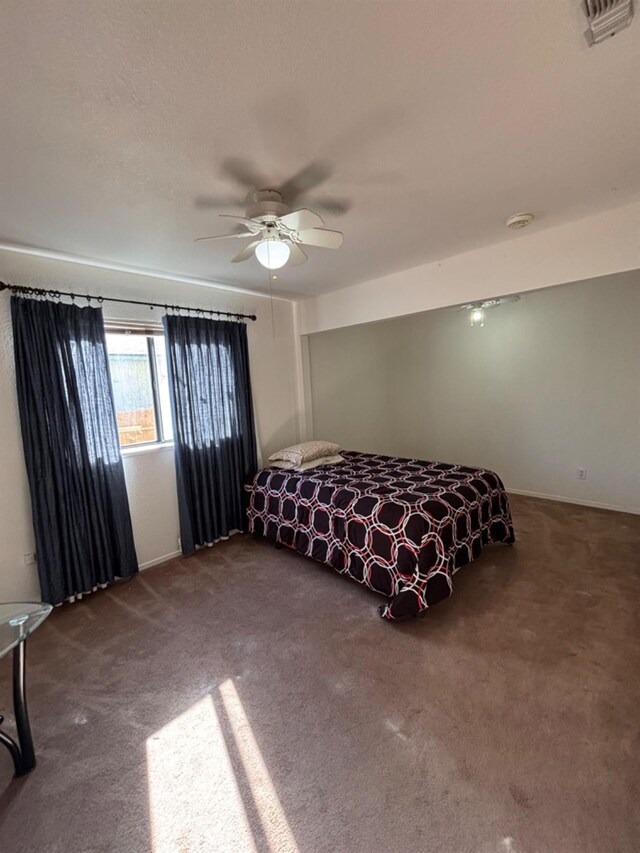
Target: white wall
x,y
150,475
352,388
549,385
536,258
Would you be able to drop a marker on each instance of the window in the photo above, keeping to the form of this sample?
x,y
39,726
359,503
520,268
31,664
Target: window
x,y
138,363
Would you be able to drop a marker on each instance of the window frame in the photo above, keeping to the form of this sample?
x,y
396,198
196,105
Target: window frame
x,y
150,333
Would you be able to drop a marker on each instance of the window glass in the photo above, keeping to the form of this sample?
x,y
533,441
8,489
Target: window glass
x,y
133,391
163,387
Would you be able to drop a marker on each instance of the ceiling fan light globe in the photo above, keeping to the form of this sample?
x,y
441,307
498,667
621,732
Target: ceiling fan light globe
x,y
272,254
477,317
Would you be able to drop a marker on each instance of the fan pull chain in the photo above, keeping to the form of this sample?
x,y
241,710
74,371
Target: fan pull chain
x,y
270,274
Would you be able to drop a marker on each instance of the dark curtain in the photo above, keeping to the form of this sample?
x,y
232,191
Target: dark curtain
x,y
214,434
79,501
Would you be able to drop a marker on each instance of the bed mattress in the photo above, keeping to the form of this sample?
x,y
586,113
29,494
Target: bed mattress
x,y
402,527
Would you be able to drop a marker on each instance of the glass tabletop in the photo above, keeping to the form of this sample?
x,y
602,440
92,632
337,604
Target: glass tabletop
x,y
18,619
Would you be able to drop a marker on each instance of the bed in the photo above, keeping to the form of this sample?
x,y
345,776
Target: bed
x,y
402,527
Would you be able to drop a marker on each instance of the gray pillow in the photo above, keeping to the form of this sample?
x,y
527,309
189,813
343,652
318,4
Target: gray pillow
x,y
305,452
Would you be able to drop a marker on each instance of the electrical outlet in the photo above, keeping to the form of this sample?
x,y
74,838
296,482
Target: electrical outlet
x,y
28,559
582,473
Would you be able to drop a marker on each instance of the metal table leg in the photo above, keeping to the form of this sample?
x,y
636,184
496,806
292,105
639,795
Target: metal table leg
x,y
23,754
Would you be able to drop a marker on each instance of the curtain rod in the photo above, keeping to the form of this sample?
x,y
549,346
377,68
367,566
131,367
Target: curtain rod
x,y
39,291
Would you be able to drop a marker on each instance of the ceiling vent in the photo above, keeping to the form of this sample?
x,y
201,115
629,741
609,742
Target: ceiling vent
x,y
606,18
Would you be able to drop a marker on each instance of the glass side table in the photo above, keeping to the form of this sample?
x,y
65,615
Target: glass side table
x,y
18,619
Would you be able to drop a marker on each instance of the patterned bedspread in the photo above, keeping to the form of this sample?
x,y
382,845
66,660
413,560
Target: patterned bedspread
x,y
400,526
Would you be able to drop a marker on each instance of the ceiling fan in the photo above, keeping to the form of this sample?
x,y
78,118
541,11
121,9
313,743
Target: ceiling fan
x,y
294,190
274,217
477,309
278,232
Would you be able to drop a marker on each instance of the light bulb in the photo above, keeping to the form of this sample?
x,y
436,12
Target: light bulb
x,y
272,254
477,317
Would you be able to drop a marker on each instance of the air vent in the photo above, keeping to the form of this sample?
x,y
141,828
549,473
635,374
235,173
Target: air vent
x,y
606,18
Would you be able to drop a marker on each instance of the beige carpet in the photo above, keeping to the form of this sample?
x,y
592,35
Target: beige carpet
x,y
248,699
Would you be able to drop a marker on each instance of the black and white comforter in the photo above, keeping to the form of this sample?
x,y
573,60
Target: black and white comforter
x,y
400,526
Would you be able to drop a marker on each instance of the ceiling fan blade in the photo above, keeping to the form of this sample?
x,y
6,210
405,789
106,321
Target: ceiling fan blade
x,y
246,253
224,236
244,173
306,179
300,220
322,237
296,256
239,218
337,206
212,202
251,224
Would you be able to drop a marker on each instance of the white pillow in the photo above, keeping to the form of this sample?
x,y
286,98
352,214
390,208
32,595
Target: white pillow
x,y
317,463
305,452
280,463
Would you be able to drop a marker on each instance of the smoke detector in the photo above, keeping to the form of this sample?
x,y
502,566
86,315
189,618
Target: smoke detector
x,y
606,18
519,220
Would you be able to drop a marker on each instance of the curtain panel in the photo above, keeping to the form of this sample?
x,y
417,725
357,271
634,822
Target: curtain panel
x,y
80,508
214,433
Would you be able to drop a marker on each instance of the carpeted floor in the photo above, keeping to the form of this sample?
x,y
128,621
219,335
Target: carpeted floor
x,y
248,699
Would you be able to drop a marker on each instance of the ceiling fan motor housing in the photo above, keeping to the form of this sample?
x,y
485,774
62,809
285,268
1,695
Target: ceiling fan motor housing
x,y
266,205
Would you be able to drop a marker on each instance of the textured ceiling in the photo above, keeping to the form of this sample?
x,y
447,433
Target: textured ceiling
x,y
435,120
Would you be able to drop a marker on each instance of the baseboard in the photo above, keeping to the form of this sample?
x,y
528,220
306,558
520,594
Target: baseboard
x,y
562,499
159,560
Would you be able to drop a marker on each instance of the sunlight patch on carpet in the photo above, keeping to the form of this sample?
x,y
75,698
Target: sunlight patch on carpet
x,y
272,817
194,800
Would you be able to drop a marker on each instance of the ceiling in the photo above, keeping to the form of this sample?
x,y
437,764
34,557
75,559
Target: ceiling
x,y
434,120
